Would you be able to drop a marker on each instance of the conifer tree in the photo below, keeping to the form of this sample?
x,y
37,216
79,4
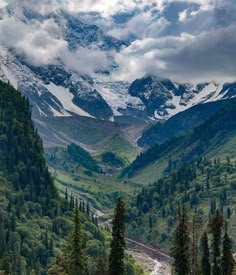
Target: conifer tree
x,y
116,260
75,257
215,227
101,267
2,238
88,208
205,261
181,244
227,258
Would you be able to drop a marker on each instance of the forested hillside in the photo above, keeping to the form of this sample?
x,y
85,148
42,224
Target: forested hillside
x,y
32,222
203,186
35,223
179,124
214,137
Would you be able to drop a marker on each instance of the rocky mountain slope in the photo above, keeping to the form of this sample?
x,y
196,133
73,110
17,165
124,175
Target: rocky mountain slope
x,y
164,98
59,88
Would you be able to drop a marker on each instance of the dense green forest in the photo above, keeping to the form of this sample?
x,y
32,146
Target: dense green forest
x,y
35,223
202,186
214,137
204,253
72,154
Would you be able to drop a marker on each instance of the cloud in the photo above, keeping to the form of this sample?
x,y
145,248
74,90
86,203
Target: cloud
x,y
105,7
3,3
40,44
142,25
202,54
183,15
197,46
210,56
146,56
85,61
207,57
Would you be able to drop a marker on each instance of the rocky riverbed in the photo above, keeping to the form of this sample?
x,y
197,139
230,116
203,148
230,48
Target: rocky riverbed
x,y
149,265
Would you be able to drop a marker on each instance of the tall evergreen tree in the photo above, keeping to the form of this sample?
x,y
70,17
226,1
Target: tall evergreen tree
x,y
181,244
215,227
75,256
227,258
205,261
100,267
116,260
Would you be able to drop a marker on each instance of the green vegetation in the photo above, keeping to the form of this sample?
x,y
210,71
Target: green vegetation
x,y
227,263
202,186
97,136
34,220
100,189
181,247
111,159
121,147
82,157
180,124
85,130
186,249
74,256
205,260
116,259
215,137
215,227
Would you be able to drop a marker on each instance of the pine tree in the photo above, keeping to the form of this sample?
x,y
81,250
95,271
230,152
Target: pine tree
x,y
75,257
205,261
116,260
227,258
215,227
181,244
101,267
88,208
196,227
2,238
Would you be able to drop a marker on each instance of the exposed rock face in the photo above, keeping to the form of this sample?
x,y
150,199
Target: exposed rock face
x,y
164,98
57,90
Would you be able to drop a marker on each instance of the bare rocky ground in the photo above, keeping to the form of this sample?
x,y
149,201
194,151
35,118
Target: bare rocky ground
x,y
149,265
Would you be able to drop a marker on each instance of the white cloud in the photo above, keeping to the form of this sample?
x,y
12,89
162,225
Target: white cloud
x,y
146,56
192,52
142,25
3,3
105,7
38,43
41,43
206,57
85,61
183,15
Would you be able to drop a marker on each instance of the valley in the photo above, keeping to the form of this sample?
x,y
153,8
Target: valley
x,y
117,137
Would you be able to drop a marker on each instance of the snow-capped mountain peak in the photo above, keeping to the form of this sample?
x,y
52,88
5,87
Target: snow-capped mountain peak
x,y
64,66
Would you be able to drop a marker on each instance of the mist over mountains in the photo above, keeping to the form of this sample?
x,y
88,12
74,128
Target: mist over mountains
x,y
66,65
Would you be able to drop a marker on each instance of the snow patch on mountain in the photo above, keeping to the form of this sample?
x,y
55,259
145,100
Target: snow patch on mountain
x,y
66,99
116,95
64,86
164,98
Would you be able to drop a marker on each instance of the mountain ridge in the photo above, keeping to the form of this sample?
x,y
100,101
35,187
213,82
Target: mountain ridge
x,y
57,90
214,136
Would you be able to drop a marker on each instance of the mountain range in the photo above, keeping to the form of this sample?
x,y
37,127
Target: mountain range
x,y
61,90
